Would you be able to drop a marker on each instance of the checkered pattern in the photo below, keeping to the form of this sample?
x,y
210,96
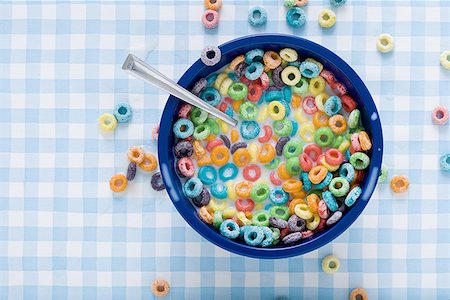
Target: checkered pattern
x,y
62,233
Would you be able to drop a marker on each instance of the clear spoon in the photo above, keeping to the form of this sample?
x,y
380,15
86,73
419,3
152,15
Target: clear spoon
x,y
141,70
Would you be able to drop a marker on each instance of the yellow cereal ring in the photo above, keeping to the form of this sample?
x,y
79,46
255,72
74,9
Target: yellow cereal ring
x,y
276,110
107,122
204,160
317,85
302,211
253,149
220,78
313,223
330,264
306,132
118,183
243,218
223,90
445,59
294,203
300,117
198,148
262,113
215,204
320,100
223,126
236,61
344,146
229,212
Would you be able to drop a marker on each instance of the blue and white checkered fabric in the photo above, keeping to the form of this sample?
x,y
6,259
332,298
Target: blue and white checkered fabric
x,y
62,233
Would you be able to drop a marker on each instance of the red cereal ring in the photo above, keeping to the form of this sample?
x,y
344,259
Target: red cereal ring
x,y
265,81
267,134
319,158
313,151
334,157
245,80
284,232
252,172
305,162
340,88
244,204
185,167
309,105
323,210
274,179
359,176
223,107
228,100
348,103
234,218
328,76
212,144
254,92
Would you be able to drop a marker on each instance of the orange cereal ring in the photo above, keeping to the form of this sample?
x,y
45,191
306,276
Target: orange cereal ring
x,y
271,59
282,172
243,189
160,288
204,160
313,202
210,137
234,136
136,154
205,215
296,101
301,194
220,155
399,184
266,153
292,186
236,61
317,174
213,4
338,124
118,183
320,119
241,157
294,203
237,104
149,163
364,141
198,148
359,292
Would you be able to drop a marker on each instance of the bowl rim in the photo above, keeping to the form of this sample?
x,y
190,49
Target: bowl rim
x,y
184,206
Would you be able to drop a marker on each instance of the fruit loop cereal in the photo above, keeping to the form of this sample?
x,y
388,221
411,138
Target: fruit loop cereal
x,y
160,288
290,168
330,264
359,294
327,18
210,19
399,184
210,55
295,17
122,114
445,59
440,115
337,3
445,162
257,16
385,43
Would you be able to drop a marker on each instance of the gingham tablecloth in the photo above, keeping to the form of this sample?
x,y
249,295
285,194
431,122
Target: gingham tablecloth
x,y
64,235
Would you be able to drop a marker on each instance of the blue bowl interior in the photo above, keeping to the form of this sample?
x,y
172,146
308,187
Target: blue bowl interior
x,y
343,72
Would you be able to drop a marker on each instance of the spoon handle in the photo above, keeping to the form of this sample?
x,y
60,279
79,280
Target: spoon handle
x,y
141,70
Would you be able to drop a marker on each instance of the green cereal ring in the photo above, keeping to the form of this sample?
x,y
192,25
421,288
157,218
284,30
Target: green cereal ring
x,y
248,111
275,233
283,127
198,116
348,135
237,91
293,166
291,75
292,148
261,218
281,212
301,87
339,186
273,164
260,192
202,131
338,141
383,174
353,118
213,126
218,219
359,160
323,136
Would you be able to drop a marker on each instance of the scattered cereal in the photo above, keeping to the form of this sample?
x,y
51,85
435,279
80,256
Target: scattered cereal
x,y
445,161
210,19
295,17
445,59
440,115
327,18
213,4
383,174
211,55
123,112
155,132
301,3
399,184
330,264
160,288
359,294
337,3
107,122
257,16
118,183
385,43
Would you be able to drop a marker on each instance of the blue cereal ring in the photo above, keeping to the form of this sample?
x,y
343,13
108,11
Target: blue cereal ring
x,y
188,128
211,96
257,16
268,237
347,171
295,63
193,187
212,78
352,196
207,175
278,197
233,76
295,17
329,200
254,70
287,108
294,128
337,3
347,154
249,130
229,229
309,69
229,111
219,191
227,172
273,95
253,235
307,184
287,93
325,182
123,112
445,162
254,55
333,105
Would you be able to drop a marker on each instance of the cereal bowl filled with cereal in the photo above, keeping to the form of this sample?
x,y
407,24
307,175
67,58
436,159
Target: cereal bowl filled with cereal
x,y
302,162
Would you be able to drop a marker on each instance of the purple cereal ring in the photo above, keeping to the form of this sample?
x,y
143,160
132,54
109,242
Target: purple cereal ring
x,y
280,144
355,142
210,18
183,149
202,199
323,210
237,146
199,86
278,223
292,238
334,218
240,69
309,105
276,77
131,172
184,111
211,55
157,182
185,167
296,224
225,140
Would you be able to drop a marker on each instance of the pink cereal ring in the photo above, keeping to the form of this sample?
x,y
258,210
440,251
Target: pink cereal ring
x,y
274,179
186,167
323,210
306,162
184,110
213,144
322,225
307,234
210,18
309,105
355,142
244,204
301,3
267,134
328,76
313,151
252,172
440,115
334,157
265,81
245,80
340,88
155,132
319,159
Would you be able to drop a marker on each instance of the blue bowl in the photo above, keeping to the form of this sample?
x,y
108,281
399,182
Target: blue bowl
x,y
343,72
